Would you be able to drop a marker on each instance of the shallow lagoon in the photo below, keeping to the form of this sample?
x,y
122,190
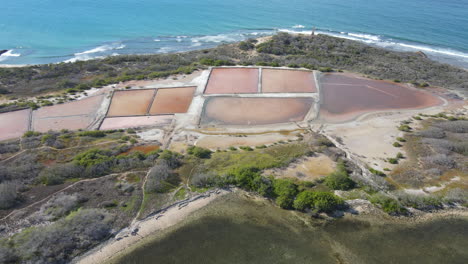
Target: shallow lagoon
x,y
234,229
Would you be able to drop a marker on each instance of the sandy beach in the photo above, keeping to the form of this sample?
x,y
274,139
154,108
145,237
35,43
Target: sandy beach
x,y
139,230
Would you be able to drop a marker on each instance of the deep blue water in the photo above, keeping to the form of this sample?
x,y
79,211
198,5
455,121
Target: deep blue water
x,y
44,31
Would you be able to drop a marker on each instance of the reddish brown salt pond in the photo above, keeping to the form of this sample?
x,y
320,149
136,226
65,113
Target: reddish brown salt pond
x,y
287,81
172,100
346,96
131,103
254,111
14,124
232,81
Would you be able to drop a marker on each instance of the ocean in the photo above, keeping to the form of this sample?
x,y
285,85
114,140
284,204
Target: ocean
x,y
51,31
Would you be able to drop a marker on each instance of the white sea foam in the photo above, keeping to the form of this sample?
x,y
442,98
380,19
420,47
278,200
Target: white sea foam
x,y
156,40
365,36
435,50
94,53
8,54
298,26
218,38
167,49
102,48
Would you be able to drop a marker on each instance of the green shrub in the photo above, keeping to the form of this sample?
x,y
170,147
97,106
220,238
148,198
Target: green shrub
x,y
392,160
404,128
397,145
92,133
387,204
246,178
400,155
246,148
173,159
246,45
93,157
401,139
320,201
377,172
285,192
211,62
199,152
82,87
325,69
339,180
31,134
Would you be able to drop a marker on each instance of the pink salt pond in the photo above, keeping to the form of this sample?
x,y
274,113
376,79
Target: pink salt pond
x,y
287,81
233,81
135,121
254,111
346,96
74,115
14,124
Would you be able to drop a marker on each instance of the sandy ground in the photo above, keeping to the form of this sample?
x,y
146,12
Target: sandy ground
x,y
166,218
307,169
226,141
135,121
371,136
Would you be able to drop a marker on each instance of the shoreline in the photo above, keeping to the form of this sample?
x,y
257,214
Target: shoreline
x,y
445,55
141,229
138,232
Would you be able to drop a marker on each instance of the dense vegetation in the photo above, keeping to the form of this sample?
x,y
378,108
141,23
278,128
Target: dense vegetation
x,y
317,52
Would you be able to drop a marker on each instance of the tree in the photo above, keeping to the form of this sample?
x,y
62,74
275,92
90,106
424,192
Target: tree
x,y
339,180
285,190
304,200
320,201
198,152
327,202
157,177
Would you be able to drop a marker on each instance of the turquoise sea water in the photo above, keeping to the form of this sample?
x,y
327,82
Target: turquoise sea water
x,y
44,31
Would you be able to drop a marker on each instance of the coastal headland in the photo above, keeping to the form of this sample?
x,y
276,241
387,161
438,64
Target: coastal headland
x,y
110,154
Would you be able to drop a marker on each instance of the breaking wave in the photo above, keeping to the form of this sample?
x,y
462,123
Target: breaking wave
x,y
96,53
8,55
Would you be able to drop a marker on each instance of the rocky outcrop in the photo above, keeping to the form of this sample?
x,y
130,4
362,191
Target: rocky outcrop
x,y
421,54
3,51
